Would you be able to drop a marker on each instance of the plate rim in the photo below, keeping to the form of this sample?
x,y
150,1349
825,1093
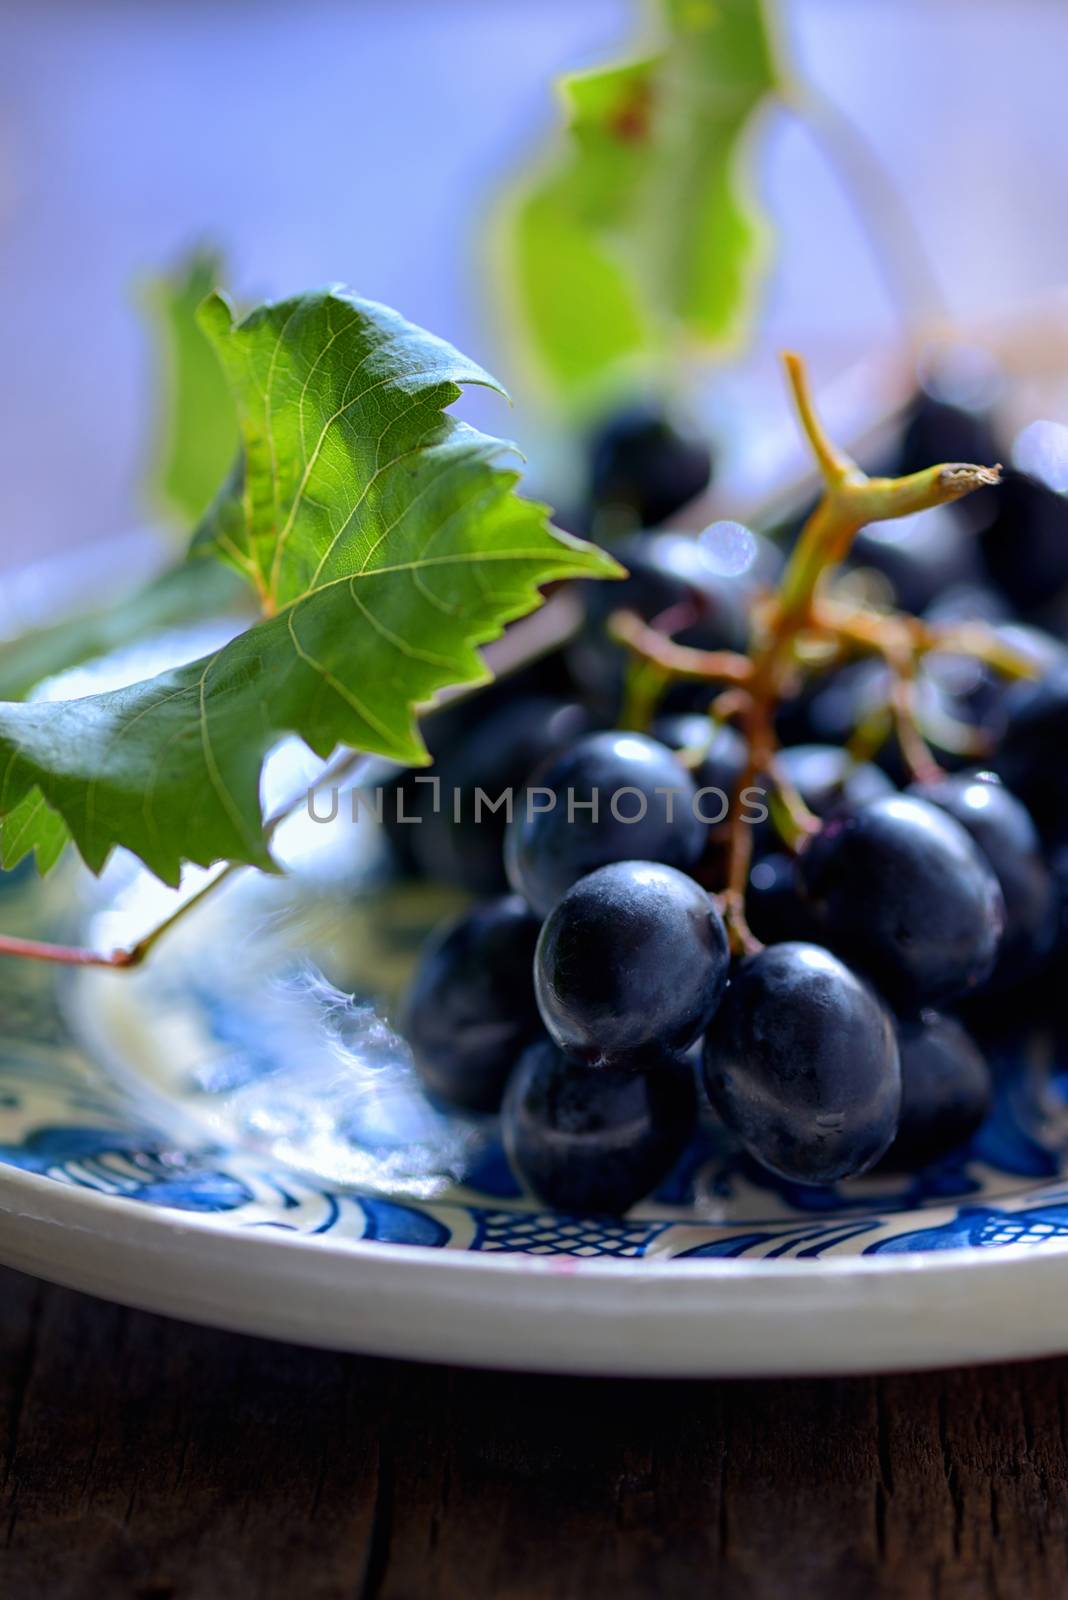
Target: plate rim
x,y
177,1222
550,1314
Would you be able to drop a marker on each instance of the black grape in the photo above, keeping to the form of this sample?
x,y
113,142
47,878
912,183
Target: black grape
x,y
1002,828
1025,543
829,780
774,908
1042,649
471,1007
1032,756
935,430
901,889
634,956
968,602
447,729
801,1063
964,688
667,573
919,557
829,783
832,705
590,1142
494,755
723,758
945,1090
644,468
548,849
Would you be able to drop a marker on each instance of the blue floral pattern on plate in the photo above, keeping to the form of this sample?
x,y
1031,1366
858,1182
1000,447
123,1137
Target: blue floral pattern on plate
x,y
233,1139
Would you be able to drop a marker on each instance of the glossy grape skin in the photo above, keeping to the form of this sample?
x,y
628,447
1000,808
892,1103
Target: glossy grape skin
x,y
1032,754
666,573
801,1062
595,1142
972,693
938,431
1025,542
901,889
919,557
471,1009
495,755
723,758
1002,828
774,909
633,957
946,1091
669,570
829,783
1041,648
546,853
833,705
829,780
970,601
447,729
644,467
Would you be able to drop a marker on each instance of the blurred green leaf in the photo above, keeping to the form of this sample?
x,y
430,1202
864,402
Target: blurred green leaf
x,y
198,444
197,428
641,231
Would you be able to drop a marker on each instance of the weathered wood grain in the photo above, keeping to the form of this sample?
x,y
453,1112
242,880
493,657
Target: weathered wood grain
x,y
146,1459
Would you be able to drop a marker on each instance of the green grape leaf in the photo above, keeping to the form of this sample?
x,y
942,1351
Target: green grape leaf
x,y
188,592
197,430
32,826
386,542
642,230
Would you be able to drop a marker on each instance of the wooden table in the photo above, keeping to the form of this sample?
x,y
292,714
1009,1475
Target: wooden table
x,y
149,1459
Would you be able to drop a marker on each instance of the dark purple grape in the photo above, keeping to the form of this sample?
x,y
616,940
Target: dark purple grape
x,y
1002,828
723,760
945,1091
968,602
595,1142
774,908
829,783
801,1063
829,780
461,842
667,573
901,889
920,556
471,1009
963,688
1025,542
1032,755
935,430
608,797
632,958
644,467
830,708
1042,649
447,729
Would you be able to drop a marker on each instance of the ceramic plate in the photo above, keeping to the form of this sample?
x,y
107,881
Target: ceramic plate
x,y
233,1135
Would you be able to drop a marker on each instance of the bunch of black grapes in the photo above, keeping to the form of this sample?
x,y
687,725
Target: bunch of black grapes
x,y
590,995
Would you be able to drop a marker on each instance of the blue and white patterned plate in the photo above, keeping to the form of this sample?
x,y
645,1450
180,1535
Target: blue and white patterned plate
x,y
234,1134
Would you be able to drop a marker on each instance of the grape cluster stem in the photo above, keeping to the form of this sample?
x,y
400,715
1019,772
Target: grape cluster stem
x,y
796,629
799,629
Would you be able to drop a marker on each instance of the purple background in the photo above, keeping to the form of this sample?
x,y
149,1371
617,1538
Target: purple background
x,y
362,142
